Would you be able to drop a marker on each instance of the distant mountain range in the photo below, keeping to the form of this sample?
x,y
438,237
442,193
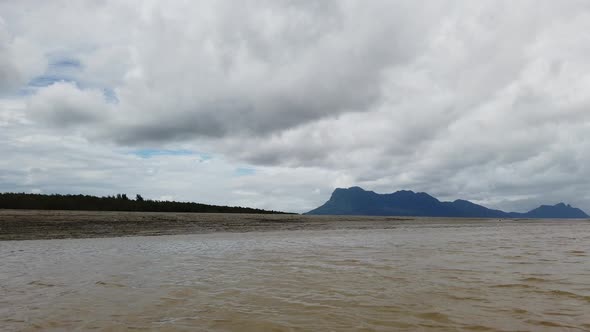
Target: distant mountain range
x,y
357,201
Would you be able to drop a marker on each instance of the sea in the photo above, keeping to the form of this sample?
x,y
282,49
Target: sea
x,y
416,276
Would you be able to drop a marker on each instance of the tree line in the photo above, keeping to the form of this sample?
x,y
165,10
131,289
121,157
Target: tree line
x,y
119,202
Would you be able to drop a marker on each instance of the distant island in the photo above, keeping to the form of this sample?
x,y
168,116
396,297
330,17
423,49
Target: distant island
x,y
357,201
119,202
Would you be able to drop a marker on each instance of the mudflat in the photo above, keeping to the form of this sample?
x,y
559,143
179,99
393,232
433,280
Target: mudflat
x,y
43,224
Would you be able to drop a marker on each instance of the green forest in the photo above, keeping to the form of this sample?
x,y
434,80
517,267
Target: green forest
x,y
119,202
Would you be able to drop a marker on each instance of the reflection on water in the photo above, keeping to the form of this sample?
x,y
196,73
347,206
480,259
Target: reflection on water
x,y
427,276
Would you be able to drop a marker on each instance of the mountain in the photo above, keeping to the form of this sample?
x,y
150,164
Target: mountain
x,y
560,210
357,201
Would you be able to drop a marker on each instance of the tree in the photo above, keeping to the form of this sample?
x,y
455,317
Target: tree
x,y
139,198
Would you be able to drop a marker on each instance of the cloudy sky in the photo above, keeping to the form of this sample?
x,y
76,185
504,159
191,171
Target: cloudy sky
x,y
273,104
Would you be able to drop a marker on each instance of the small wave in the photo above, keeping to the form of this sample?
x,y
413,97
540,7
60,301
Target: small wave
x,y
465,298
535,279
512,286
558,292
580,253
520,311
548,323
109,284
435,316
478,328
552,313
345,262
41,283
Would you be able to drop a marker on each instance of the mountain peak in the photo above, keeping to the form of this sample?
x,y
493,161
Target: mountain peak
x,y
559,210
355,188
404,192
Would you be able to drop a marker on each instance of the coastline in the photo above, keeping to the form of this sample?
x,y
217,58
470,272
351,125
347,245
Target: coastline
x,y
56,224
51,224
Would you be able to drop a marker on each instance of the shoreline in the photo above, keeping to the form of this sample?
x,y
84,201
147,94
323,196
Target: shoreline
x,y
53,224
66,224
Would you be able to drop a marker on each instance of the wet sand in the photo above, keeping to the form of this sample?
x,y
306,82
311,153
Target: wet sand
x,y
42,224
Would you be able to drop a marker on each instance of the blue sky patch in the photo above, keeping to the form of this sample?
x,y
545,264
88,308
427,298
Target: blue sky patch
x,y
47,80
110,95
60,69
66,63
148,153
243,171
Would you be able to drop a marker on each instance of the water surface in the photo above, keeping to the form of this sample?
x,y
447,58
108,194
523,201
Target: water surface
x,y
424,275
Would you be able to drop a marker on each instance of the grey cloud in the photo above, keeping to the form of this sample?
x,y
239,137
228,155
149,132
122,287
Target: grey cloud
x,y
42,161
63,105
483,100
20,60
279,64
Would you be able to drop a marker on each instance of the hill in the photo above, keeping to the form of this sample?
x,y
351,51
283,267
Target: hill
x,y
357,201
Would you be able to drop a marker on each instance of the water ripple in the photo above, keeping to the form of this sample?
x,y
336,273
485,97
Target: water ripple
x,y
422,276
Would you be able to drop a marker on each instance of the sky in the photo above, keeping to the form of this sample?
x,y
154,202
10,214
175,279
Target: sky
x,y
274,103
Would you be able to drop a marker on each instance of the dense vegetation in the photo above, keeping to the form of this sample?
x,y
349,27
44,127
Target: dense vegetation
x,y
120,202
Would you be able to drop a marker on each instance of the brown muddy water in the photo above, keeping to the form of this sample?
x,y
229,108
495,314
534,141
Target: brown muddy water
x,y
423,274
